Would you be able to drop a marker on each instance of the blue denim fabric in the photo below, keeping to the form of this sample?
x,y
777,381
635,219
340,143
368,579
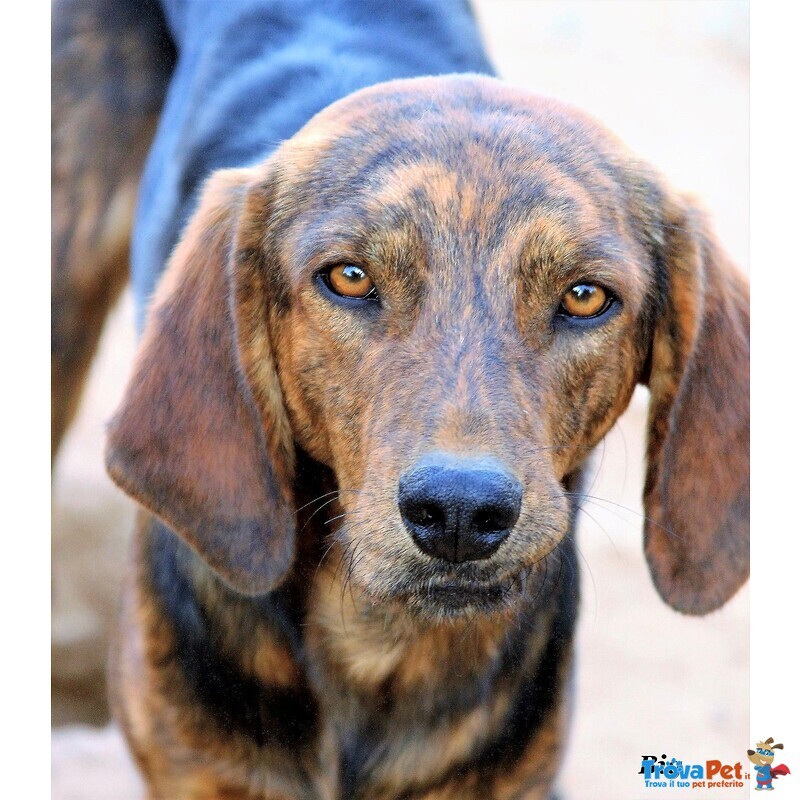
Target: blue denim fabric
x,y
250,73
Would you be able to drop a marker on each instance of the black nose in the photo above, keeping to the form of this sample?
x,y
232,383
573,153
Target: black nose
x,y
459,509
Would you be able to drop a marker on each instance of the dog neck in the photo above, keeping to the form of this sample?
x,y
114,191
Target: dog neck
x,y
371,644
378,697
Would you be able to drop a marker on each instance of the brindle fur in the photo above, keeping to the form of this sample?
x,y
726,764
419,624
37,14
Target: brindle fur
x,y
110,67
289,642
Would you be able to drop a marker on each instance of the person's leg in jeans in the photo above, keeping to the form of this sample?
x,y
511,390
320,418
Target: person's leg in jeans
x,y
250,73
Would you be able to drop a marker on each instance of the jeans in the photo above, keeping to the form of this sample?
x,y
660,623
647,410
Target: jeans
x,y
250,73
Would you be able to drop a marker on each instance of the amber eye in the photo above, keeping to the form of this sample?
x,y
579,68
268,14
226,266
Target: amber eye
x,y
348,280
585,300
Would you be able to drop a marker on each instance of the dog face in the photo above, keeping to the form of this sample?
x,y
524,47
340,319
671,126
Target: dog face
x,y
450,356
761,757
765,752
444,290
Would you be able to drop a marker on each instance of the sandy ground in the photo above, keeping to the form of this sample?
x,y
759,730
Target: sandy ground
x,y
672,80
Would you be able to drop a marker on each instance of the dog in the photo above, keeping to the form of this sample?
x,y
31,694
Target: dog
x,y
357,425
762,759
420,314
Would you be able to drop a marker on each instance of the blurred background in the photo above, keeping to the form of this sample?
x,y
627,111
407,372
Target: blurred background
x,y
671,79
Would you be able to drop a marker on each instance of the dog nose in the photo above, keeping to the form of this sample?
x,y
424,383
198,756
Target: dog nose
x,y
459,509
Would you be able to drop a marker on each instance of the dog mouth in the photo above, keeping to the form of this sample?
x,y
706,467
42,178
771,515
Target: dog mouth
x,y
462,598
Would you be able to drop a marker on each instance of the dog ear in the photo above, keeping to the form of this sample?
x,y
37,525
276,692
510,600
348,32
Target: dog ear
x,y
697,495
189,441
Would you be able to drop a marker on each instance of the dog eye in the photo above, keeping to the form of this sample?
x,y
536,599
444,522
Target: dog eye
x,y
585,300
348,280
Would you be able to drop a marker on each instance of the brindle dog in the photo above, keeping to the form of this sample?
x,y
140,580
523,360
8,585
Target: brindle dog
x,y
369,383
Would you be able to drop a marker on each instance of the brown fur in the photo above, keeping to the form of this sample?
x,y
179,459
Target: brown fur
x,y
291,642
103,121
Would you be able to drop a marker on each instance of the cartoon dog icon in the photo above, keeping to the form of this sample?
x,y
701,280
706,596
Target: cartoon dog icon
x,y
762,757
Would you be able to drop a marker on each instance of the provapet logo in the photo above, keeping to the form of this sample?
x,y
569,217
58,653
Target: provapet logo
x,y
674,773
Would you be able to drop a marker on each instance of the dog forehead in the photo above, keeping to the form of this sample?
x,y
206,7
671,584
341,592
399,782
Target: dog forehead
x,y
471,125
462,168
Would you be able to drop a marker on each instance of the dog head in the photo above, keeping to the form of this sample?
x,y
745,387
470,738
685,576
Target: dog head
x,y
765,752
445,290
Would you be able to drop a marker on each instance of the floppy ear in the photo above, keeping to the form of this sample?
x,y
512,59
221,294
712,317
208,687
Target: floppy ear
x,y
697,491
189,441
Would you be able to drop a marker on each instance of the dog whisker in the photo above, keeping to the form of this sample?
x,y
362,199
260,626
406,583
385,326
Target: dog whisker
x,y
591,578
316,511
335,492
590,497
315,500
582,510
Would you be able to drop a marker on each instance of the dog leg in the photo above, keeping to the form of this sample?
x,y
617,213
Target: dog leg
x,y
110,66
